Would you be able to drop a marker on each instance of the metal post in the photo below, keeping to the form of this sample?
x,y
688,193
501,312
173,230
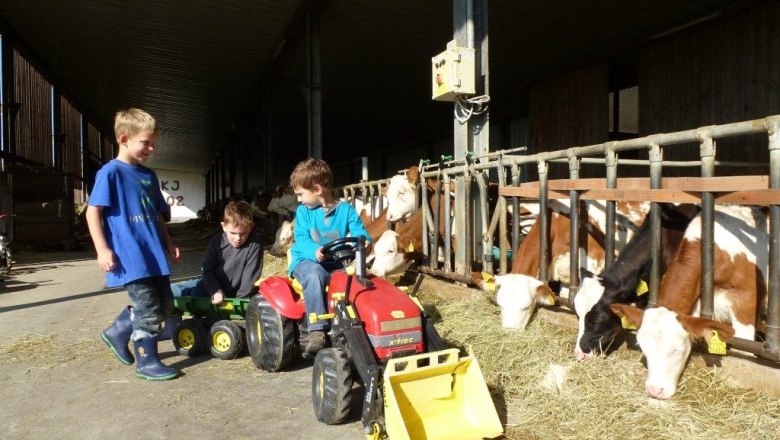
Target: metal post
x,y
447,224
515,213
371,201
8,105
656,156
436,236
502,242
486,241
56,128
470,29
772,342
381,201
424,207
574,230
544,239
364,168
707,154
609,251
87,176
208,187
314,85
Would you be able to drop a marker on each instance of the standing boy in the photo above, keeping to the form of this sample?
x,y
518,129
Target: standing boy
x,y
233,262
126,220
319,220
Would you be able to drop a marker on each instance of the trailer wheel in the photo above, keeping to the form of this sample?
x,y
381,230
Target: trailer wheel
x,y
270,336
331,385
226,340
190,338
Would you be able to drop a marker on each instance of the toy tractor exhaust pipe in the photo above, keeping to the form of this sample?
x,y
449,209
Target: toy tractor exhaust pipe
x,y
438,396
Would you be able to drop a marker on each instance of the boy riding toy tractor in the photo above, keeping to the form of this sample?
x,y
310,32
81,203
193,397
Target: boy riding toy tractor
x,y
414,387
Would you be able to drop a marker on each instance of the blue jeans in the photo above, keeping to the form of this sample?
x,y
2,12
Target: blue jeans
x,y
152,303
314,277
191,288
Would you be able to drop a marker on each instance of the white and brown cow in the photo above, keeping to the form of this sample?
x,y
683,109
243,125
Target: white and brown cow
x,y
527,261
285,236
666,331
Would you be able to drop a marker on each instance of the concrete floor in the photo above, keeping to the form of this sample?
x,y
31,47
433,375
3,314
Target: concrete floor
x,y
58,379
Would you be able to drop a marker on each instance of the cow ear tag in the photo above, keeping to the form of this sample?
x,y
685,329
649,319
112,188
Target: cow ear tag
x,y
490,282
641,288
410,248
626,324
716,346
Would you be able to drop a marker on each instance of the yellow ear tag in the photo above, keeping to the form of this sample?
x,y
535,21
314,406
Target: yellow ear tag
x,y
490,282
410,248
550,299
626,324
641,288
716,346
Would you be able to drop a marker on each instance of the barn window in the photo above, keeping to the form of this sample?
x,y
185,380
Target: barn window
x,y
624,113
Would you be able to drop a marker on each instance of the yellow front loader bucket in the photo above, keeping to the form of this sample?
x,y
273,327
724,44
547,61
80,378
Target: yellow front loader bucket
x,y
438,396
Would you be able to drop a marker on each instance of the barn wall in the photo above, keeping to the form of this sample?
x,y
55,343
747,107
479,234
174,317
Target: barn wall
x,y
569,110
722,71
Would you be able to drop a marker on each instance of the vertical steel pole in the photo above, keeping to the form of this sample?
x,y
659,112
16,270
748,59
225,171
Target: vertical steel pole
x,y
436,236
486,241
502,226
772,343
574,230
609,251
707,154
544,240
447,224
314,84
656,156
515,213
56,128
8,104
424,207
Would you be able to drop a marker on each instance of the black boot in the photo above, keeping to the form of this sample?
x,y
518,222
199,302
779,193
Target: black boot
x,y
117,336
170,325
148,366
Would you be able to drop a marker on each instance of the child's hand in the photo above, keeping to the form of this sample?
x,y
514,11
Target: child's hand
x,y
174,252
106,260
368,247
217,297
319,255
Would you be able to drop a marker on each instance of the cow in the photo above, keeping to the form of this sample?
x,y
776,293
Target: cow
x,y
285,236
665,332
527,261
597,325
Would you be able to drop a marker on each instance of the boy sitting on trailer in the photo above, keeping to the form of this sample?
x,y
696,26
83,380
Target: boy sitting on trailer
x,y
232,265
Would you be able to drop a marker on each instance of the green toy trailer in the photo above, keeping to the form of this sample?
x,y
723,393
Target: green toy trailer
x,y
212,327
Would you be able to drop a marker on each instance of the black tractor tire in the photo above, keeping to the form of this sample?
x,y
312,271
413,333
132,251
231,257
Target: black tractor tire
x,y
227,340
331,385
190,338
270,337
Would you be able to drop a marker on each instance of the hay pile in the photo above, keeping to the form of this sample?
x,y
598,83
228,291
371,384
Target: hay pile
x,y
548,394
45,351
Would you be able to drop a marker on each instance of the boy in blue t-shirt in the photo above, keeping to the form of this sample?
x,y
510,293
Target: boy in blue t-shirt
x,y
319,220
126,221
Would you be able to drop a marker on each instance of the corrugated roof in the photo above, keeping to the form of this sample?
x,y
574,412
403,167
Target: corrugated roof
x,y
194,63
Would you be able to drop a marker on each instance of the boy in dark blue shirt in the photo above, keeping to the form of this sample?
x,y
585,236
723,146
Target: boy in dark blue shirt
x,y
319,220
126,221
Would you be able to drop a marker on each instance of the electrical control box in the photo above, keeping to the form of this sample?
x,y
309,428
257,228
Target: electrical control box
x,y
452,73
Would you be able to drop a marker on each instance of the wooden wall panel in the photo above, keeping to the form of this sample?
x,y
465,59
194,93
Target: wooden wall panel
x,y
726,70
33,121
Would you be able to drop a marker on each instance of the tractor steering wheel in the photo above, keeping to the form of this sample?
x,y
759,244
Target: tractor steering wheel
x,y
341,249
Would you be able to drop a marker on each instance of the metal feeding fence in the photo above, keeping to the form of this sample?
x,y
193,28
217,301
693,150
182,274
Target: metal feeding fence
x,y
476,191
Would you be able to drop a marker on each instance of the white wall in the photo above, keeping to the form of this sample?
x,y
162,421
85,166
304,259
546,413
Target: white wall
x,y
184,192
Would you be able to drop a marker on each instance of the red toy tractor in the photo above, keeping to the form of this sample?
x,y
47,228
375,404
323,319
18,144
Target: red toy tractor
x,y
414,387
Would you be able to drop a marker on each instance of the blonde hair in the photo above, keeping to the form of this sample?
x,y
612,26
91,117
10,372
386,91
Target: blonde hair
x,y
311,172
132,121
238,213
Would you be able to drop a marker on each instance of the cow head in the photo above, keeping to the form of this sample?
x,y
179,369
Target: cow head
x,y
517,295
665,338
389,256
400,199
284,239
597,325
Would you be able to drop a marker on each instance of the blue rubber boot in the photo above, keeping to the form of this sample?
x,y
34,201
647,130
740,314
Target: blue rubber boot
x,y
148,365
117,336
170,325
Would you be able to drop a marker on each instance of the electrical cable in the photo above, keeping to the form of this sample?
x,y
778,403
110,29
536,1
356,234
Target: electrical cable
x,y
466,107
